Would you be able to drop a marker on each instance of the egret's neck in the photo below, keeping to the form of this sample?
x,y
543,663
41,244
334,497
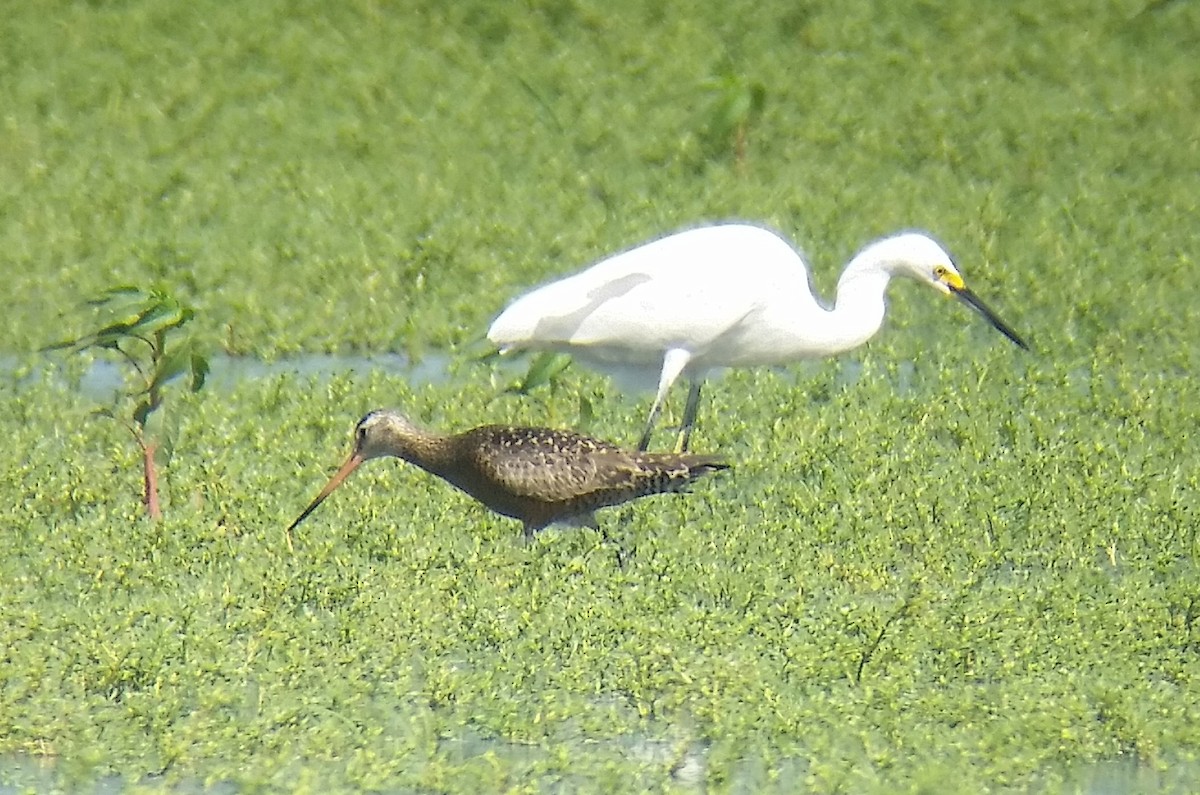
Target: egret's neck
x,y
860,305
808,329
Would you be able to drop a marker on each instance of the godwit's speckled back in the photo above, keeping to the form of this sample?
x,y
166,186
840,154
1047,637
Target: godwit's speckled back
x,y
542,476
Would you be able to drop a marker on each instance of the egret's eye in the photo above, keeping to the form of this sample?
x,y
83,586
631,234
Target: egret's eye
x,y
940,271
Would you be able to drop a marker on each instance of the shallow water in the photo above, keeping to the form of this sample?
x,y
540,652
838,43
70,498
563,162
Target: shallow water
x,y
103,378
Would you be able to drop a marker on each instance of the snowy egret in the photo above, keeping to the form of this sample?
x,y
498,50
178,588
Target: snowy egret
x,y
538,475
730,295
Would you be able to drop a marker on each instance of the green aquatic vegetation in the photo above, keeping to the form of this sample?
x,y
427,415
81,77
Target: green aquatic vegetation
x,y
544,370
141,332
821,618
939,564
542,381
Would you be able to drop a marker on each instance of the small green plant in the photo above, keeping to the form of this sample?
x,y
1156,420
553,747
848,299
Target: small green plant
x,y
735,103
143,329
545,370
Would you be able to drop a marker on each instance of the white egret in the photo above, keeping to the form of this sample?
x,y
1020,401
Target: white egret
x,y
730,295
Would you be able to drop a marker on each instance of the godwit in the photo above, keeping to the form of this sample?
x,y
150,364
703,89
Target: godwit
x,y
537,475
719,296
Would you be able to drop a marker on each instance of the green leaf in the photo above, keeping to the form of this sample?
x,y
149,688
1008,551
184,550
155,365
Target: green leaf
x,y
122,306
199,371
165,314
129,292
132,313
109,336
172,365
544,368
60,345
587,413
143,409
125,316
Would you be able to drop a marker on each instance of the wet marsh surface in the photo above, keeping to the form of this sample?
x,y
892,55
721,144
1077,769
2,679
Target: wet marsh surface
x,y
939,564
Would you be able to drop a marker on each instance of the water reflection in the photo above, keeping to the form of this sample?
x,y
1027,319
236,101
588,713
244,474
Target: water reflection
x,y
103,378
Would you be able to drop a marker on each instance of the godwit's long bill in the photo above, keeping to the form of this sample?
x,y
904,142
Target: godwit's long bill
x,y
351,464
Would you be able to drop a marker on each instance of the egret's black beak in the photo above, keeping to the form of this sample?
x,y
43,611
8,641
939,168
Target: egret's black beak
x,y
964,294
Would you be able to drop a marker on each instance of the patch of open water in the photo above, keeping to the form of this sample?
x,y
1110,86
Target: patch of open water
x,y
103,378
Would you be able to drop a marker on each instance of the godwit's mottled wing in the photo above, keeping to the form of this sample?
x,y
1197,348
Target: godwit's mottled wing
x,y
563,466
548,465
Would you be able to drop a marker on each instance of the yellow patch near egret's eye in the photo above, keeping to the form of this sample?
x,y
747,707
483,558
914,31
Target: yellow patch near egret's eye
x,y
948,277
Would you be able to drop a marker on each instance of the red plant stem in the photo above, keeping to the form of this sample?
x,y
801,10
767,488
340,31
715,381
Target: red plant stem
x,y
150,481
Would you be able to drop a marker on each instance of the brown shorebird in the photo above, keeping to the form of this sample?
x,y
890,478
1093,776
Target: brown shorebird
x,y
537,475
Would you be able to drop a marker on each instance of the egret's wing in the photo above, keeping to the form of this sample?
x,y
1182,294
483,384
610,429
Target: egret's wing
x,y
691,287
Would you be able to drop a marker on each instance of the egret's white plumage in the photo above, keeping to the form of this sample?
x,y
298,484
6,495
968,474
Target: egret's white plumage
x,y
730,295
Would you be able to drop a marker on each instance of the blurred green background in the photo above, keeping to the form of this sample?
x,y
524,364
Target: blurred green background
x,y
940,564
